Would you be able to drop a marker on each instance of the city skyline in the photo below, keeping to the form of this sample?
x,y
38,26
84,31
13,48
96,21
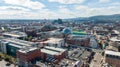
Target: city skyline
x,y
52,9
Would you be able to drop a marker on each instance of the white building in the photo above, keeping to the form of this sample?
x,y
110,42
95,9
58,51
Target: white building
x,y
3,46
55,42
11,45
14,34
93,42
115,39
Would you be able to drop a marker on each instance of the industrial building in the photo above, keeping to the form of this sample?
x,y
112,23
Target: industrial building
x,y
14,34
11,45
52,54
26,57
55,42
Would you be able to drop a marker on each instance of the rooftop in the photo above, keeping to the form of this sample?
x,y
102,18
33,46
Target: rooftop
x,y
96,62
70,63
15,34
52,50
112,53
80,32
18,46
115,39
53,40
112,48
49,52
19,42
27,49
85,54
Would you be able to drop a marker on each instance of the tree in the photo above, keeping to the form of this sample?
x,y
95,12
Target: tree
x,y
7,58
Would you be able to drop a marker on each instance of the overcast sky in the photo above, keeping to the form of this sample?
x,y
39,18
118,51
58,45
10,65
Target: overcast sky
x,y
52,9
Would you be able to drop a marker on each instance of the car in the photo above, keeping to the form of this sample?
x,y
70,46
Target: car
x,y
0,59
8,64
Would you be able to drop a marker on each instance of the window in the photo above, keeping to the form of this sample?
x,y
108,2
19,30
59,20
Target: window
x,y
107,55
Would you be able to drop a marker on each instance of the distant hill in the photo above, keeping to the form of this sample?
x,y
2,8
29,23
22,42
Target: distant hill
x,y
106,18
95,19
98,19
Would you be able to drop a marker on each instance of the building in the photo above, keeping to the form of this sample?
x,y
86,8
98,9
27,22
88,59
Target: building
x,y
93,42
55,42
27,57
16,28
112,57
78,38
115,39
14,34
98,28
74,42
70,63
3,45
11,45
80,54
114,33
30,56
52,54
97,60
112,54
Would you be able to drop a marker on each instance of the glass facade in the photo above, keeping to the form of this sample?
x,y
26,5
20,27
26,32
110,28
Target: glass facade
x,y
11,50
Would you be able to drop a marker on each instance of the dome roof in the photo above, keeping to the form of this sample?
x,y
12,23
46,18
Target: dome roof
x,y
67,31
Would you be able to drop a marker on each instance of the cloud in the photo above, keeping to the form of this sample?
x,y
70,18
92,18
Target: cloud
x,y
104,1
115,4
65,12
26,3
81,7
29,9
67,1
86,11
62,12
12,8
14,12
11,11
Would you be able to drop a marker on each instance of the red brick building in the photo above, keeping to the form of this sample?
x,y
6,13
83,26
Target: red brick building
x,y
113,58
26,56
78,41
52,54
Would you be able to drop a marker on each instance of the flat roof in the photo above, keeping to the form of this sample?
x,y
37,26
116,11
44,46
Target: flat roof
x,y
96,62
18,46
26,50
79,32
85,54
55,48
19,42
52,50
49,52
112,53
53,40
13,35
114,39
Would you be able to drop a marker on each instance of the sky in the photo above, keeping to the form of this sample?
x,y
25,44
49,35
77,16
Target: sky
x,y
53,9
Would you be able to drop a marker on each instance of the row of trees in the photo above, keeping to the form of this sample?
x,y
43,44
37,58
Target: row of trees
x,y
7,58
